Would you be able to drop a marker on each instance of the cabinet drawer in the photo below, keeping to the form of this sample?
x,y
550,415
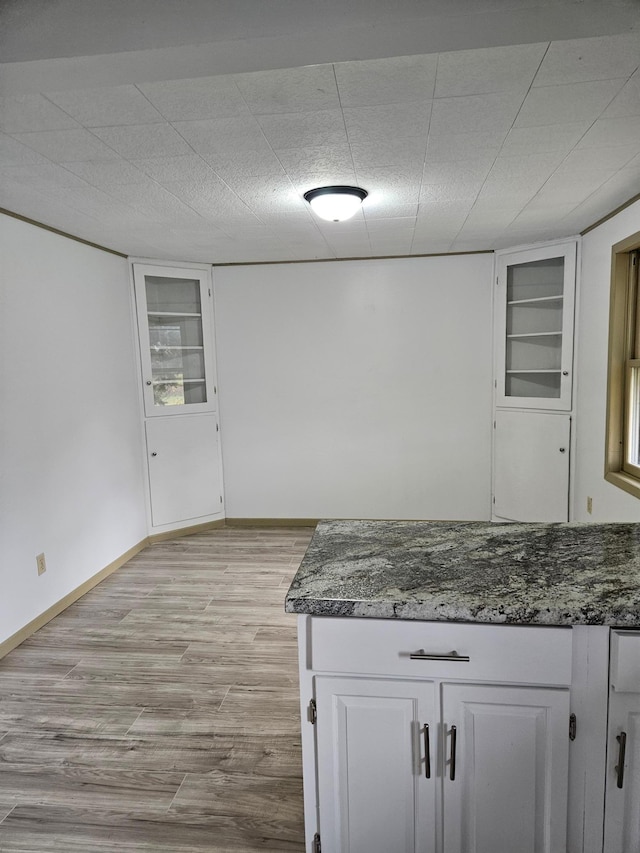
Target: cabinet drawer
x,y
625,661
504,653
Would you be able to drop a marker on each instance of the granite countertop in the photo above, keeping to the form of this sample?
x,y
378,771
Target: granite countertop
x,y
542,574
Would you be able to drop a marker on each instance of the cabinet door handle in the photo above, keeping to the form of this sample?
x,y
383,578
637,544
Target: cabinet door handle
x,y
452,760
452,656
427,752
622,748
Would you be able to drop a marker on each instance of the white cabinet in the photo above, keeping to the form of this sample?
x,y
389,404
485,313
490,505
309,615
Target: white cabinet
x,y
456,758
176,339
174,310
506,766
534,315
534,322
376,742
184,469
531,466
622,802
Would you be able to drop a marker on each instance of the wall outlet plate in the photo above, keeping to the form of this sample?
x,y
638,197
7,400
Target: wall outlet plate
x,y
41,563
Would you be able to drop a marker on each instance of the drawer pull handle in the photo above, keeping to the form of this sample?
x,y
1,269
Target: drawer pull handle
x,y
427,752
452,656
622,740
452,762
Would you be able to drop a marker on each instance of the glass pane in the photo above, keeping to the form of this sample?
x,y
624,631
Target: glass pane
x,y
545,385
176,341
533,347
633,418
536,279
540,353
177,295
175,332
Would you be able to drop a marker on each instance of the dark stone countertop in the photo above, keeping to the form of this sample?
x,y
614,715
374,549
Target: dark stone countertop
x,y
540,574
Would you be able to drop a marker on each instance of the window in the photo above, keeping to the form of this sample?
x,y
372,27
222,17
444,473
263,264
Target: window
x,y
622,462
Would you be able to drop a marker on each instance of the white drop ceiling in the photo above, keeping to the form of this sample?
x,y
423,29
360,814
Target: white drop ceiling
x,y
459,150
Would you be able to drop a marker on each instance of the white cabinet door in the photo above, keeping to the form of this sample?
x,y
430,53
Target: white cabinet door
x,y
376,765
531,466
622,799
622,805
175,329
534,323
184,468
505,769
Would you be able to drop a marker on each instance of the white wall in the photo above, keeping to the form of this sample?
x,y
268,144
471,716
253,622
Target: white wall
x,y
70,442
609,502
356,388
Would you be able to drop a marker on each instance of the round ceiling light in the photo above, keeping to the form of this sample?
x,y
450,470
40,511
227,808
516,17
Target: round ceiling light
x,y
335,203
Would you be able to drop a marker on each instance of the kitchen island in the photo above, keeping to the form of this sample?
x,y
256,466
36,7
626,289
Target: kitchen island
x,y
456,677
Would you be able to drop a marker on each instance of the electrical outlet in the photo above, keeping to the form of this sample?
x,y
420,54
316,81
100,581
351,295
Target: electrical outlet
x,y
41,563
589,505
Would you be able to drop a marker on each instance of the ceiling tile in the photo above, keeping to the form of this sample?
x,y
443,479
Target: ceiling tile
x,y
304,129
450,191
143,141
534,168
156,202
387,152
627,101
109,105
385,81
193,99
308,89
612,131
106,175
24,113
577,60
390,185
379,208
567,186
497,69
69,145
186,167
43,176
13,153
367,125
223,136
550,137
454,147
603,157
573,102
475,113
468,171
305,161
246,164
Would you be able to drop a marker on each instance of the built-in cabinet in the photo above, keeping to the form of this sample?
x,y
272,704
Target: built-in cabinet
x,y
437,738
174,309
534,316
622,810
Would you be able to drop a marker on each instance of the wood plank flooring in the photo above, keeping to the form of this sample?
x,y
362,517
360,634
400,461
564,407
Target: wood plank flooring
x,y
160,712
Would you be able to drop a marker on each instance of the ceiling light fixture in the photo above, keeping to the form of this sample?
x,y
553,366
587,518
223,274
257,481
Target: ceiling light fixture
x,y
335,203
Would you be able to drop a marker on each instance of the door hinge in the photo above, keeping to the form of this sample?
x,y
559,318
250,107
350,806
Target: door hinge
x,y
572,726
220,498
217,428
209,291
312,712
316,847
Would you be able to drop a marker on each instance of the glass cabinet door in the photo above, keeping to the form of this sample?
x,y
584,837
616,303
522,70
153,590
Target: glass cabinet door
x,y
175,339
535,350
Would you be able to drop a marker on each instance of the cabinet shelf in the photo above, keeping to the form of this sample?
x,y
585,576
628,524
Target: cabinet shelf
x,y
532,371
535,335
158,347
537,300
172,314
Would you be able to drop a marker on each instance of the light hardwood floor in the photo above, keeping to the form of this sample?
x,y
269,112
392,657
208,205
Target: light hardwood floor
x,y
160,712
